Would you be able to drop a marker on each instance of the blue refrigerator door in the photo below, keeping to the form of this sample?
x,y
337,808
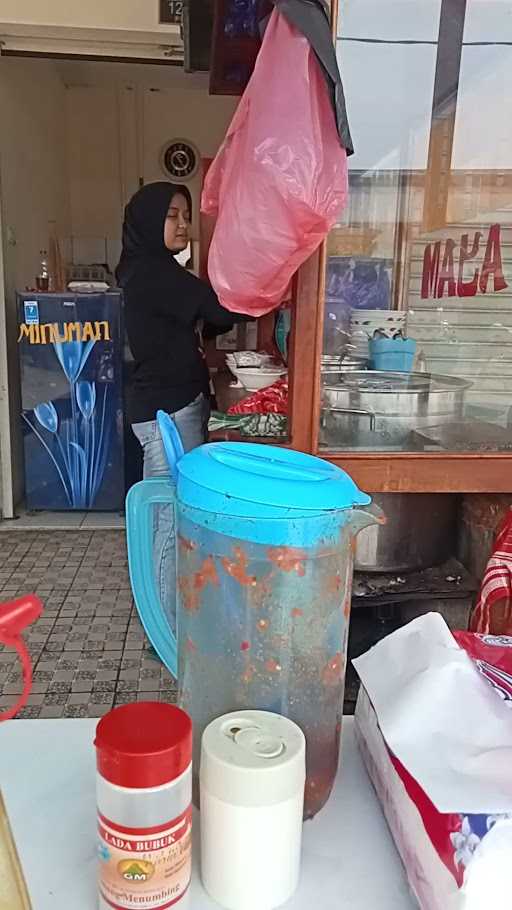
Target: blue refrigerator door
x,y
70,349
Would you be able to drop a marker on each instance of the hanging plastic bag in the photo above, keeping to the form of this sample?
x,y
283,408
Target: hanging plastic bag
x,y
279,181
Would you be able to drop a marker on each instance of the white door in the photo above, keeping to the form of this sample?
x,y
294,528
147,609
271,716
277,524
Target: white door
x,y
11,456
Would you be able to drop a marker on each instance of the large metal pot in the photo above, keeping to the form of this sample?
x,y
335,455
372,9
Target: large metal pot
x,y
376,408
420,531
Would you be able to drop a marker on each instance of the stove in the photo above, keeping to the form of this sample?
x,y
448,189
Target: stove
x,y
383,603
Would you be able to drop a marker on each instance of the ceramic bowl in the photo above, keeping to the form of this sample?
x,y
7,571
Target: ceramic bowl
x,y
254,379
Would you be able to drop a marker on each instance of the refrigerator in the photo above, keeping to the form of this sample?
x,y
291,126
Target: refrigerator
x,y
71,364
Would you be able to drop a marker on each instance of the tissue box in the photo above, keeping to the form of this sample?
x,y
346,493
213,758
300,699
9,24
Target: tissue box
x,y
434,728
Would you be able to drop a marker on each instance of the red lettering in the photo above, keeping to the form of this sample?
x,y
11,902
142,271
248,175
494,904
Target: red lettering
x,y
492,262
431,259
447,273
438,277
468,288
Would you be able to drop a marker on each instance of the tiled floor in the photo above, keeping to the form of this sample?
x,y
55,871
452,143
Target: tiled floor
x,y
63,521
89,649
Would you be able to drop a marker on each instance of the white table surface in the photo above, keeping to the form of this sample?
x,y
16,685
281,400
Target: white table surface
x,y
47,777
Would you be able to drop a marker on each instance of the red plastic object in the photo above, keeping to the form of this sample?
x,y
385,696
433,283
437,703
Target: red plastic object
x,y
272,400
15,616
492,655
145,744
280,179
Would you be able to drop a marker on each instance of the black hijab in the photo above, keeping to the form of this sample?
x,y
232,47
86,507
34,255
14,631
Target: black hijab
x,y
143,233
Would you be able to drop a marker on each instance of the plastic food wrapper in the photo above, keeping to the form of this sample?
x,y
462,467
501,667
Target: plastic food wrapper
x,y
434,726
279,181
272,400
254,425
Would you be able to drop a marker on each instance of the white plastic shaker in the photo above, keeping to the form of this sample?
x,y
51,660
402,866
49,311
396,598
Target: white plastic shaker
x,y
253,773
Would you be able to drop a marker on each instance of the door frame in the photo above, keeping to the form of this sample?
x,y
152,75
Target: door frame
x,y
6,473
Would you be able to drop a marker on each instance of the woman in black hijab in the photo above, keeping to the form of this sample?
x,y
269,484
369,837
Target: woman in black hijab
x,y
164,305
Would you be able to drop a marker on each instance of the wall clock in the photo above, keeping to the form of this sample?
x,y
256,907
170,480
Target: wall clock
x,y
180,160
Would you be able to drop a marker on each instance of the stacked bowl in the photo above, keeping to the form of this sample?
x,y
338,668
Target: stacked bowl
x,y
364,323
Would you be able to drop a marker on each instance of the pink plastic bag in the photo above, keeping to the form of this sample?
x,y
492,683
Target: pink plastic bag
x,y
279,181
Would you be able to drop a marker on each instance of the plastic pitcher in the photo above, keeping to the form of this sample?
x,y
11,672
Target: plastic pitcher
x,y
265,542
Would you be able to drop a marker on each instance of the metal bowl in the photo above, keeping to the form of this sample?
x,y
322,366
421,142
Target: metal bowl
x,y
334,370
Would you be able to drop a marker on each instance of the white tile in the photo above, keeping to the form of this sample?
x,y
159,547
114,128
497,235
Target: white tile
x,y
43,521
103,521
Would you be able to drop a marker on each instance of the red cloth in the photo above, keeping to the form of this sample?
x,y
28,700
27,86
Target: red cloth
x,y
496,584
272,400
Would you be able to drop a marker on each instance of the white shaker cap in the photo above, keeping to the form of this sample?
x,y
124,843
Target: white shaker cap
x,y
253,759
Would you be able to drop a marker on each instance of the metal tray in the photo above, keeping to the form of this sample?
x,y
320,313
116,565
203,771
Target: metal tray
x,y
466,436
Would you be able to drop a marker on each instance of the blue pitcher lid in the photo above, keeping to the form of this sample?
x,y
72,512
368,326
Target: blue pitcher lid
x,y
254,480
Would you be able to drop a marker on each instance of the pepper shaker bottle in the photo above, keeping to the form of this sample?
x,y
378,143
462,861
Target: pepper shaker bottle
x,y
144,792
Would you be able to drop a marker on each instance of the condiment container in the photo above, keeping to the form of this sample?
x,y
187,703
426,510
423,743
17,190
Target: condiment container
x,y
253,772
144,792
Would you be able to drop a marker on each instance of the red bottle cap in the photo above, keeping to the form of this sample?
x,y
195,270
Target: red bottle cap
x,y
146,744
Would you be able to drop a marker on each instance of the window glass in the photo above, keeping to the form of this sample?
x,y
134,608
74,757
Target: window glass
x,y
418,310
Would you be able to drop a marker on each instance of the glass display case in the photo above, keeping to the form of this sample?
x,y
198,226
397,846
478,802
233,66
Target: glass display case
x,y
403,324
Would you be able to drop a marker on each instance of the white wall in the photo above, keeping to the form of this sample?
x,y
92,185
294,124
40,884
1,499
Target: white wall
x,y
93,145
34,188
33,159
118,120
182,114
115,14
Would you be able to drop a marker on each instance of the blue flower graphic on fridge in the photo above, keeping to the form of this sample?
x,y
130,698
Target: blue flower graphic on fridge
x,y
74,441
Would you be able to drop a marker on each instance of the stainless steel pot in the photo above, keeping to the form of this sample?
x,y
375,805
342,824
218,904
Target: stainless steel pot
x,y
420,531
381,408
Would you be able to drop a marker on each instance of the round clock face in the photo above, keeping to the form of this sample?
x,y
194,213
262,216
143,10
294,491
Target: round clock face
x,y
180,160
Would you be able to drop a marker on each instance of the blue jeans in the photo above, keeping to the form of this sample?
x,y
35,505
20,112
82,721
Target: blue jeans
x,y
192,423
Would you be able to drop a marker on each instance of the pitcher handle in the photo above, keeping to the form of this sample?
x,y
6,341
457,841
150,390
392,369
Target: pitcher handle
x,y
173,445
366,516
140,501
